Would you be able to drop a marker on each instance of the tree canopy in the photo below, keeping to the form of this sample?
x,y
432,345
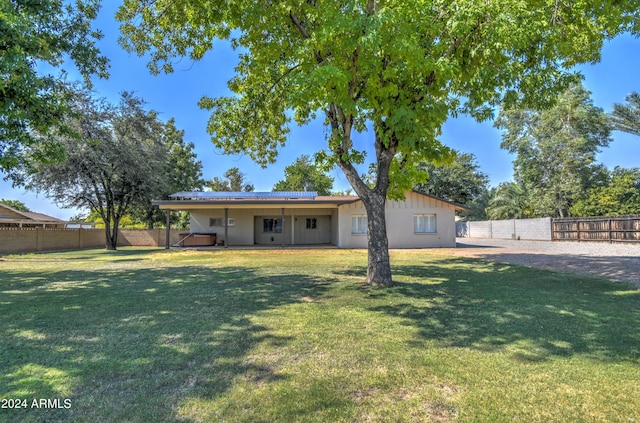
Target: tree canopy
x,y
15,204
36,33
626,117
478,206
619,195
304,175
397,68
510,200
556,149
460,181
182,172
233,181
115,160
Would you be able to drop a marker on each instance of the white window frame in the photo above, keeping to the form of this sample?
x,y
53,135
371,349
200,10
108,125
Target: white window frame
x,y
426,223
359,224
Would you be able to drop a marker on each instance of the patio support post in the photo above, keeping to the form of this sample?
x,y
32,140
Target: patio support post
x,y
167,235
226,227
282,226
293,229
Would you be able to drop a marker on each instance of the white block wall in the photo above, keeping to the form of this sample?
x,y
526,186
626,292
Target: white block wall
x,y
526,229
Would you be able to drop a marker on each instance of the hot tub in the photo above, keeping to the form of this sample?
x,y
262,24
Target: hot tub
x,y
196,239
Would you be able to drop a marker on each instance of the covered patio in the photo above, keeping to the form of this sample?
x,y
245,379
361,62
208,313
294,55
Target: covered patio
x,y
257,219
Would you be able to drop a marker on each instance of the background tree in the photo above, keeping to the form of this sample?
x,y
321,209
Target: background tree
x,y
233,181
79,217
345,193
510,200
127,221
15,204
182,172
116,159
626,117
478,206
556,149
620,195
460,181
304,175
395,67
33,33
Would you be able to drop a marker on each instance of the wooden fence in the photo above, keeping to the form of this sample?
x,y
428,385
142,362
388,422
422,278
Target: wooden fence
x,y
609,229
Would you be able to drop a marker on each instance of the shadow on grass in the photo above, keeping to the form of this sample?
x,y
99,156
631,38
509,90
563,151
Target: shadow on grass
x,y
120,255
128,344
536,314
621,268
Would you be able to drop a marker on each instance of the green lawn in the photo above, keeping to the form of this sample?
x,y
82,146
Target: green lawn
x,y
142,335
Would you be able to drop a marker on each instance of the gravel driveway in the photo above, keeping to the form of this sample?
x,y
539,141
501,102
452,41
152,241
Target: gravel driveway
x,y
612,261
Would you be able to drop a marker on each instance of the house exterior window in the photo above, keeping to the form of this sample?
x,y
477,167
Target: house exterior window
x,y
359,224
312,223
424,223
272,225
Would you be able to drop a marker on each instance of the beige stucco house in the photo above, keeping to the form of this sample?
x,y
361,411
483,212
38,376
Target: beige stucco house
x,y
304,218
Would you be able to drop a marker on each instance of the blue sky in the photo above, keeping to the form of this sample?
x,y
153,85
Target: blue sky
x,y
176,95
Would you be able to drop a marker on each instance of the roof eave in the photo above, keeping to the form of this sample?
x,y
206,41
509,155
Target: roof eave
x,y
456,206
164,204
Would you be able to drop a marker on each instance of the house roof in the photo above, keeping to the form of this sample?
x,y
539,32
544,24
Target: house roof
x,y
13,216
457,206
201,200
252,195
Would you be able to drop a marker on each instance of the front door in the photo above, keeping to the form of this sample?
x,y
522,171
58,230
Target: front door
x,y
312,230
269,230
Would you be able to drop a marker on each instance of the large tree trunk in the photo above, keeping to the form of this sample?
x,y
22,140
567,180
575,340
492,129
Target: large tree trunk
x,y
111,235
374,200
379,266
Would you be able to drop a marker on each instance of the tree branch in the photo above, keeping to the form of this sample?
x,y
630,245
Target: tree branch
x,y
284,75
298,23
371,8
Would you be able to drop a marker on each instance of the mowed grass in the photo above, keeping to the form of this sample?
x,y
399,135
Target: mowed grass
x,y
143,335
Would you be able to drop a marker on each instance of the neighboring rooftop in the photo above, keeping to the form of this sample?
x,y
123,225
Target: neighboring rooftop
x,y
10,217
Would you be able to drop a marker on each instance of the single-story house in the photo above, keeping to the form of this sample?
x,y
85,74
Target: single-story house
x,y
12,218
305,218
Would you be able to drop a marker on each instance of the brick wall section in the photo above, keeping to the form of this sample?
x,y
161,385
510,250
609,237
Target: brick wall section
x,y
147,237
28,240
526,229
15,240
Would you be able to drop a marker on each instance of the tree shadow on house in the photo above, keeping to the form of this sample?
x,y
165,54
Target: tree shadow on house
x,y
130,344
